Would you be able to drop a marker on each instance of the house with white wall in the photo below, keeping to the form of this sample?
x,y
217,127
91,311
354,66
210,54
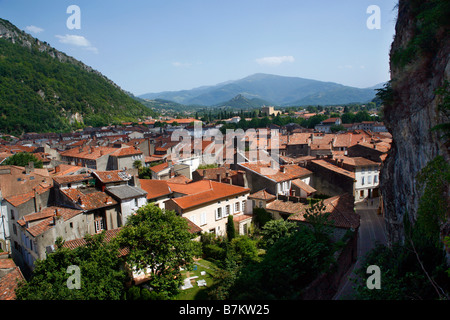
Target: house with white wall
x,y
208,204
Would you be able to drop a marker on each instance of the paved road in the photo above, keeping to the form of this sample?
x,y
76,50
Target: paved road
x,y
371,231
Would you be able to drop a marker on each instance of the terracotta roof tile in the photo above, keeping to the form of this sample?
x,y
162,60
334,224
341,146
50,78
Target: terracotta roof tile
x,y
89,201
341,209
262,195
206,194
42,221
125,152
159,167
89,153
109,235
334,168
9,282
72,178
112,176
155,188
304,186
290,171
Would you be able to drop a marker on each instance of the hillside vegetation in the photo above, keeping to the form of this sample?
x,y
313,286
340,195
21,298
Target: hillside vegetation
x,y
43,90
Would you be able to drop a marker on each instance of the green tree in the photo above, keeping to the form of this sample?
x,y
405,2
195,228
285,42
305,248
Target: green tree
x,y
102,276
137,164
22,159
274,230
261,216
159,241
231,230
288,266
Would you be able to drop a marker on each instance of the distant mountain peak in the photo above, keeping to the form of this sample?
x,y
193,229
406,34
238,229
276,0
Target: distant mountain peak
x,y
279,90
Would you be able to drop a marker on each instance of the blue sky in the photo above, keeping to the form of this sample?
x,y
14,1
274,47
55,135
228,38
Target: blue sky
x,y
152,46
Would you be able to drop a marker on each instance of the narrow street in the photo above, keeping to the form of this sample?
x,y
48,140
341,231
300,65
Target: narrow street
x,y
371,231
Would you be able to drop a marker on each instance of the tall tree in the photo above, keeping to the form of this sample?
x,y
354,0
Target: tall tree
x,y
22,159
101,276
160,243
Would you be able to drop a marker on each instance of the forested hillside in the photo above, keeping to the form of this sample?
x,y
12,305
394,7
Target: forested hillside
x,y
43,90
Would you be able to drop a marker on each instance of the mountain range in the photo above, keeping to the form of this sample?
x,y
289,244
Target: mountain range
x,y
270,89
45,90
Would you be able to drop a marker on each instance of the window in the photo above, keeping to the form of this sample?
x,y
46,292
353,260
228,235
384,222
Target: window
x,y
260,204
135,202
243,206
375,178
237,207
203,219
361,193
362,181
99,225
12,214
227,209
219,213
369,179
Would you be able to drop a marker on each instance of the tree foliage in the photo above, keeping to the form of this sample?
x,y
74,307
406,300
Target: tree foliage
x,y
160,243
101,274
22,159
39,93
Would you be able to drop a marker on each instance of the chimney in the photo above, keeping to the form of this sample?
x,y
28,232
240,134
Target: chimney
x,y
57,169
219,177
282,169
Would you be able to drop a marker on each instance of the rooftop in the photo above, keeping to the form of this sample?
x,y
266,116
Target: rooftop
x,y
112,176
155,188
290,171
206,191
39,222
341,209
72,178
89,199
334,168
126,192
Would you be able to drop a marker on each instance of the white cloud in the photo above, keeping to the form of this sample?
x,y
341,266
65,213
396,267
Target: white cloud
x,y
78,41
274,61
33,29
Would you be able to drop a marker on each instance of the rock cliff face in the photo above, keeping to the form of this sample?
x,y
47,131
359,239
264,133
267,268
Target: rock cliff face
x,y
419,65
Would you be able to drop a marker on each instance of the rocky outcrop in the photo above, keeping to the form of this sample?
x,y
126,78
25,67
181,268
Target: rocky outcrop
x,y
419,65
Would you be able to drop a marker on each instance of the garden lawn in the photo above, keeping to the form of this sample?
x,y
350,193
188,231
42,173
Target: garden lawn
x,y
196,292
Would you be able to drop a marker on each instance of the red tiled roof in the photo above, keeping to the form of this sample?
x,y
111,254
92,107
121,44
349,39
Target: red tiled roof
x,y
334,168
330,120
193,228
125,152
304,186
206,194
179,179
89,153
72,178
262,195
17,200
89,201
112,176
109,235
290,171
242,217
9,282
341,209
155,188
42,221
159,167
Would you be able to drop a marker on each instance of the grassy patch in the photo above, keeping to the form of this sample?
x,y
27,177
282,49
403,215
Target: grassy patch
x,y
196,292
